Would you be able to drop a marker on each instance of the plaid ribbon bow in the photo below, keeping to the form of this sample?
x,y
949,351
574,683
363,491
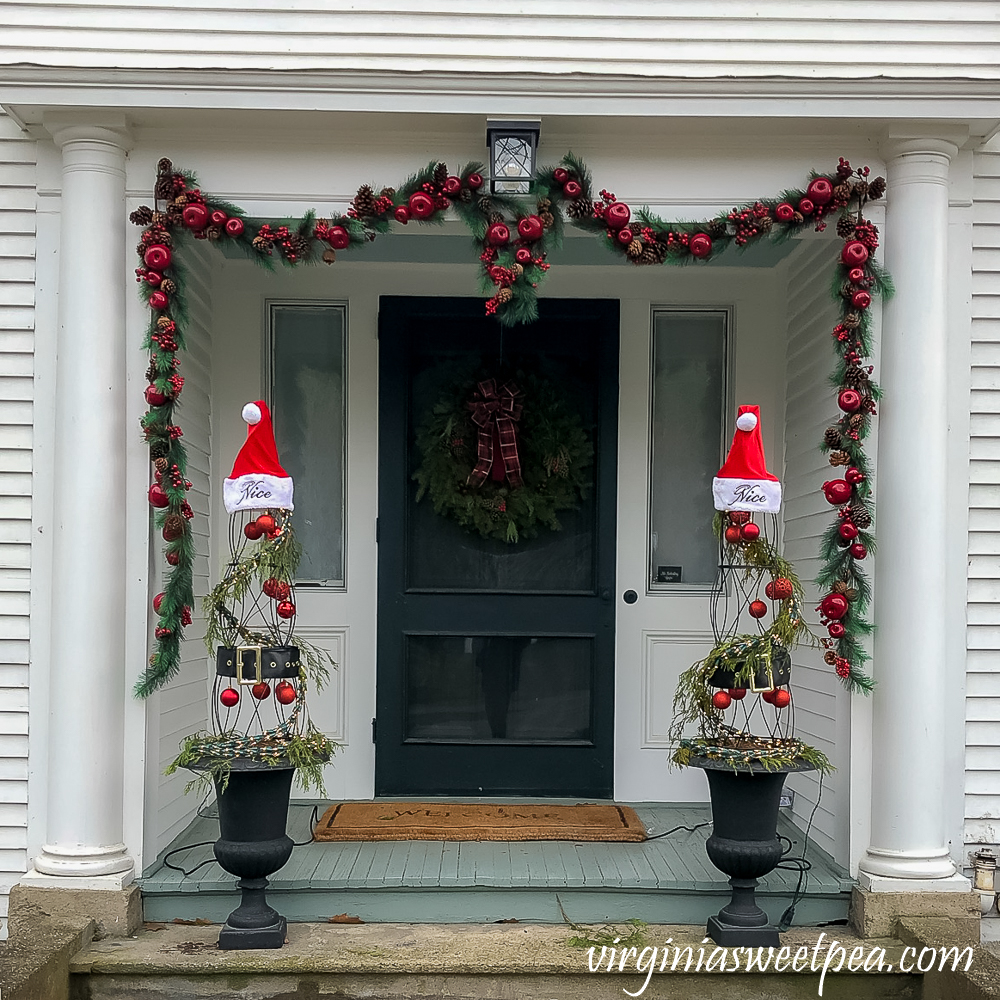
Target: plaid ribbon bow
x,y
495,412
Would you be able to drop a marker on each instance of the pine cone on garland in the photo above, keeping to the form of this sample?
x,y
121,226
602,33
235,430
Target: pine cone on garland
x,y
856,377
495,218
845,227
364,202
465,196
861,189
261,245
213,232
876,188
164,323
504,295
299,247
168,286
839,458
164,166
387,192
844,588
142,216
158,449
765,223
653,253
634,249
716,228
860,516
580,208
440,174
161,219
856,421
842,193
485,204
830,657
160,465
173,527
852,320
164,188
832,437
847,289
181,200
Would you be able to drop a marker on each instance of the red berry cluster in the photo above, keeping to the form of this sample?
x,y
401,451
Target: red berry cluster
x,y
746,222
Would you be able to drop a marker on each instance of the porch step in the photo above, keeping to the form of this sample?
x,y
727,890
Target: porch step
x,y
665,880
462,961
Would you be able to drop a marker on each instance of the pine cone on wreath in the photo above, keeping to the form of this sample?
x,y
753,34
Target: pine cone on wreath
x,y
164,188
860,516
832,437
142,216
387,192
845,227
548,219
440,174
842,193
465,196
164,166
485,204
161,219
181,200
861,188
876,188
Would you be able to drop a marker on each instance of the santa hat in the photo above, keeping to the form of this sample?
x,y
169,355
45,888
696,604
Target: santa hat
x,y
744,483
257,481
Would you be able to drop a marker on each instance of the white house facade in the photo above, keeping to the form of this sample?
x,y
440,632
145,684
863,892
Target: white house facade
x,y
686,108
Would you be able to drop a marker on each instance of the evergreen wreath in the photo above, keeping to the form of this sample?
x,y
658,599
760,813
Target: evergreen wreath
x,y
556,459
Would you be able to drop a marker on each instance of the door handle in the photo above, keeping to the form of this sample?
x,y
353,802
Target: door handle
x,y
630,597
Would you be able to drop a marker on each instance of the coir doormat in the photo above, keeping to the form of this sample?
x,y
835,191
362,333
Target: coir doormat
x,y
475,821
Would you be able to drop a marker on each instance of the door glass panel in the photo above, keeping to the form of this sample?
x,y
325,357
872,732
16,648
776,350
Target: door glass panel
x,y
307,396
498,689
689,361
441,556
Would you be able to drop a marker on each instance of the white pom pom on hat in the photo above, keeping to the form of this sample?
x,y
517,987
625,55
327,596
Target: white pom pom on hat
x,y
251,413
745,421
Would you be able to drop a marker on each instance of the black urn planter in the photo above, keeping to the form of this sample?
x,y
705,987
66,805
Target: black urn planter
x,y
744,845
253,813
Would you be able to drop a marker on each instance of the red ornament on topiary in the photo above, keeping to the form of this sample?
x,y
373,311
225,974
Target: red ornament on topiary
x,y
861,299
757,609
737,694
572,189
750,532
158,301
157,497
849,400
229,697
252,531
530,228
402,214
859,550
783,588
421,205
285,693
837,491
784,212
154,397
452,186
700,245
498,234
721,700
271,586
338,237
286,609
781,699
733,534
234,227
266,523
833,606
739,516
854,254
617,214
261,691
195,215
820,191
157,257
768,696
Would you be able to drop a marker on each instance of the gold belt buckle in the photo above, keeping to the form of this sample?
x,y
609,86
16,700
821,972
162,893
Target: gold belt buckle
x,y
257,678
766,657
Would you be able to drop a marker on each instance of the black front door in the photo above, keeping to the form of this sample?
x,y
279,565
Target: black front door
x,y
495,659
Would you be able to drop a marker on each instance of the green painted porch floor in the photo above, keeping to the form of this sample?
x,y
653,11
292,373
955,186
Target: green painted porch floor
x,y
667,880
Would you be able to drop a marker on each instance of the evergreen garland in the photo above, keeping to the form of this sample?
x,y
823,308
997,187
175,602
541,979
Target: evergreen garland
x,y
512,270
555,450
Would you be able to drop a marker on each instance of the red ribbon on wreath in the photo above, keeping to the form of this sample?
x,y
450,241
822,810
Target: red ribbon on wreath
x,y
496,412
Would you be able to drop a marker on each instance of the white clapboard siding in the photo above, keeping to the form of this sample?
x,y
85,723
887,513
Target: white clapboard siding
x,y
183,704
982,696
17,301
685,38
821,707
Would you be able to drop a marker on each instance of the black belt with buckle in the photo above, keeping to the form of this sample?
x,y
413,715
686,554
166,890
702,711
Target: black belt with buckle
x,y
257,663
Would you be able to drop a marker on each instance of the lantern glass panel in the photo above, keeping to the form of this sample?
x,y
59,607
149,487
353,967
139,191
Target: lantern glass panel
x,y
512,164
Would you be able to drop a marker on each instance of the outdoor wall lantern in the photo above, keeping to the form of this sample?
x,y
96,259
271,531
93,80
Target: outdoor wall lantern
x,y
512,146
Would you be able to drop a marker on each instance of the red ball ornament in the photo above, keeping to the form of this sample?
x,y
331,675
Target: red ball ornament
x,y
859,550
173,529
161,632
737,694
781,699
733,534
721,700
158,602
271,586
173,558
848,531
218,217
234,227
560,175
853,475
158,301
402,214
157,257
229,697
820,191
157,497
806,207
474,181
700,245
784,212
750,532
782,588
836,630
833,606
252,531
261,691
421,205
617,215
285,693
530,228
757,609
452,186
338,237
861,299
856,275
768,696
854,254
522,255
286,609
498,234
195,216
153,278
266,523
625,236
572,189
154,397
849,400
739,516
837,491
769,591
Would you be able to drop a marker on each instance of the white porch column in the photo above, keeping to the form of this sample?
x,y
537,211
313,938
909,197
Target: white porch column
x,y
84,831
908,832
